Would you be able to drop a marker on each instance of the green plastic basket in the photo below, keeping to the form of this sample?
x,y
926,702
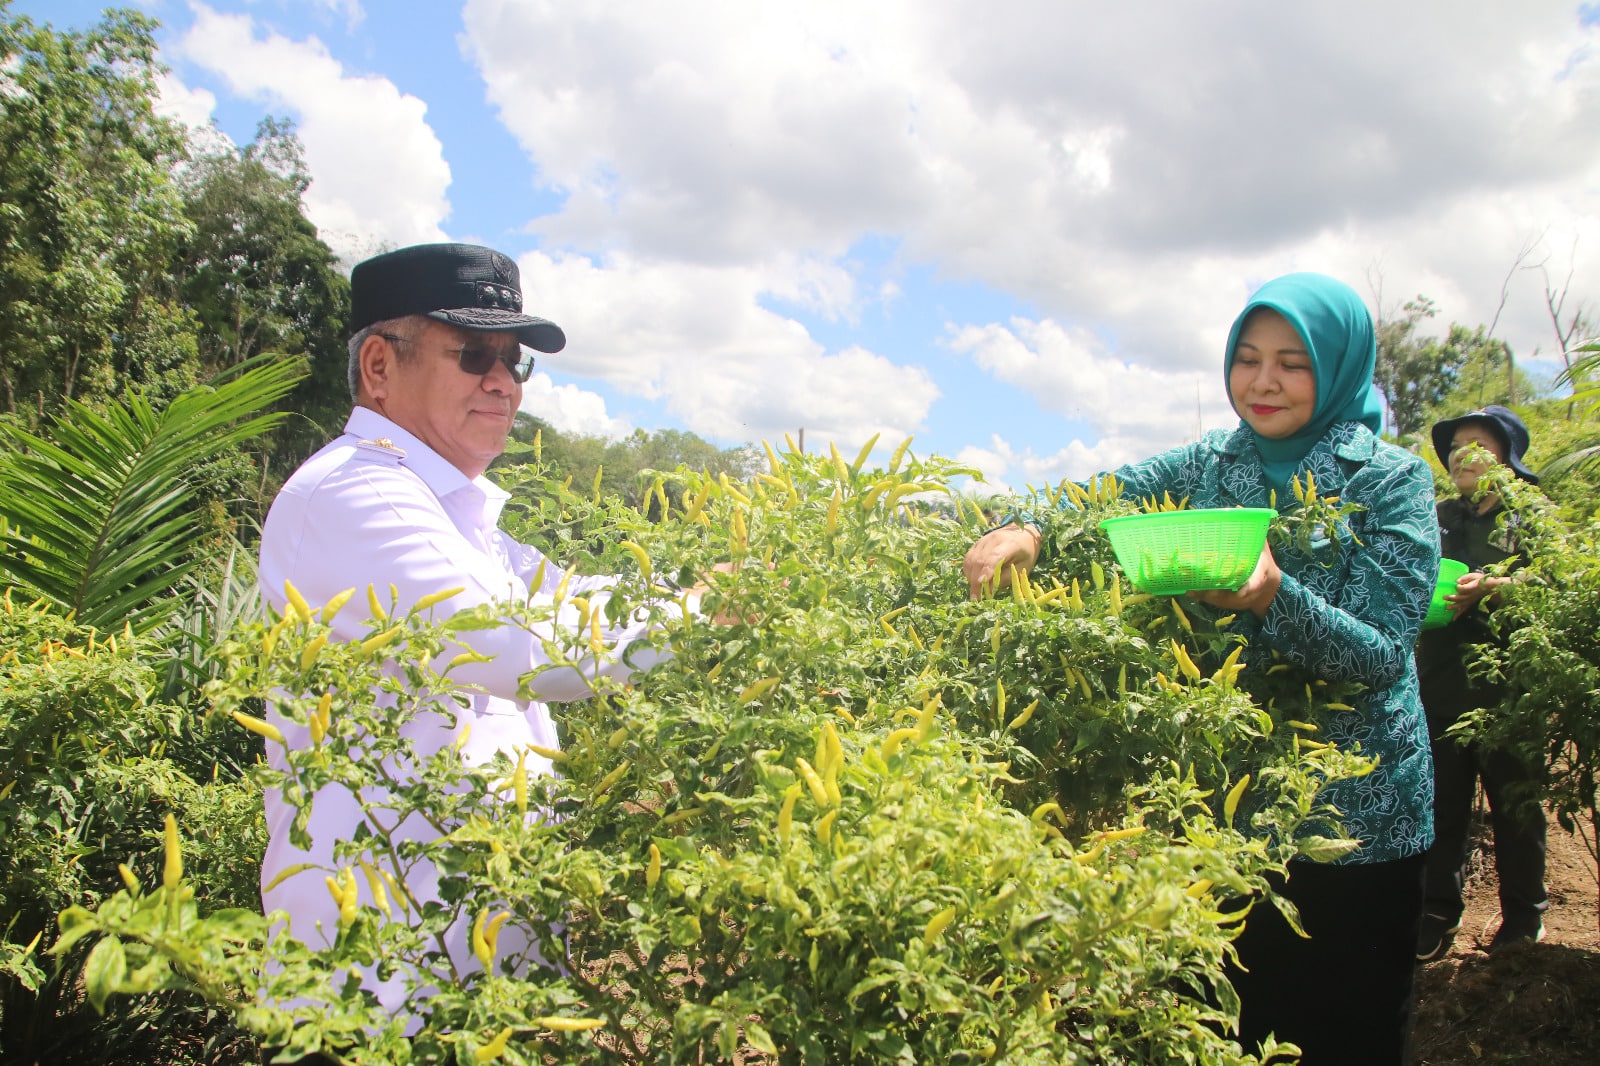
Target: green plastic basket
x,y
1450,571
1173,552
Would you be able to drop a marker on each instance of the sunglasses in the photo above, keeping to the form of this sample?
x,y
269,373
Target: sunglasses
x,y
479,361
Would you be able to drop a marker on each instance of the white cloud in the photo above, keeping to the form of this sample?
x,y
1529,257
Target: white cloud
x,y
698,339
1136,174
352,11
379,173
1072,373
175,100
571,409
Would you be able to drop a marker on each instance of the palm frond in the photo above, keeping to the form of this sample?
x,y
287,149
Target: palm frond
x,y
102,514
1583,376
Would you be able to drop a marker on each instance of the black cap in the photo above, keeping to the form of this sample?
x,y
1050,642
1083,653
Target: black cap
x,y
1503,423
465,285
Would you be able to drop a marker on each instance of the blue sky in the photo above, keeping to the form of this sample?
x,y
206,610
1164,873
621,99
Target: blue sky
x,y
1019,232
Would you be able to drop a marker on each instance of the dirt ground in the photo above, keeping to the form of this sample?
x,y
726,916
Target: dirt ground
x,y
1538,1003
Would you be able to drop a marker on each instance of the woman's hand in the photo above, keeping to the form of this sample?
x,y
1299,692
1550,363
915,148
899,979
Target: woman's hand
x,y
1471,588
1255,596
993,557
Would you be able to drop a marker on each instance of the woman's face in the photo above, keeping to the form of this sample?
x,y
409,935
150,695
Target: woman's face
x,y
1271,382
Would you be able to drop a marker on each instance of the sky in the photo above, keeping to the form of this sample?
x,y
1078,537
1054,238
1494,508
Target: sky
x,y
1018,230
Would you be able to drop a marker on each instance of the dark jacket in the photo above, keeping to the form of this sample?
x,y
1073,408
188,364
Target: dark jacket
x,y
1479,540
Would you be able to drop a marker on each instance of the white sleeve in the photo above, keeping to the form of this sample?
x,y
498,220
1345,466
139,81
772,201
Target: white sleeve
x,y
377,524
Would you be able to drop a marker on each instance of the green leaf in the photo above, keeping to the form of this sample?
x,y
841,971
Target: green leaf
x,y
104,971
102,514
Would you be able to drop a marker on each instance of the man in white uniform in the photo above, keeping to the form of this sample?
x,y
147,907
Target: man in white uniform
x,y
437,363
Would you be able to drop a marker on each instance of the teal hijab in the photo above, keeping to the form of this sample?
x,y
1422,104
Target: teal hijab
x,y
1337,330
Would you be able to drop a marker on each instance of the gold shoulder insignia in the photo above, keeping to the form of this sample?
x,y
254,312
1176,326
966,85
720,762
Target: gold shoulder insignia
x,y
383,444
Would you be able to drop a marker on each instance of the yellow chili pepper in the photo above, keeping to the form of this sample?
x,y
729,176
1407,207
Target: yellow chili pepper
x,y
313,648
937,925
641,557
1186,664
786,813
899,454
379,612
519,782
297,602
258,727
494,1048
610,779
331,608
380,640
1022,719
682,815
433,599
569,1025
480,946
755,690
288,872
172,868
813,780
380,897
824,826
1230,805
925,719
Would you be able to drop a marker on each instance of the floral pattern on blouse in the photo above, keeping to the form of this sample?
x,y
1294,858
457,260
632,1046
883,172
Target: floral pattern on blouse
x,y
1353,615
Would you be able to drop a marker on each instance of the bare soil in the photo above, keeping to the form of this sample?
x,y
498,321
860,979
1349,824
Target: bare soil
x,y
1533,1003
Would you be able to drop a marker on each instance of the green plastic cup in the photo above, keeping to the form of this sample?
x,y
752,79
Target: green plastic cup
x,y
1173,552
1450,571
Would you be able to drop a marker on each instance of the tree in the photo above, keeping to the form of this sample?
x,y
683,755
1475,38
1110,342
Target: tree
x,y
259,279
1485,373
89,216
622,465
1412,372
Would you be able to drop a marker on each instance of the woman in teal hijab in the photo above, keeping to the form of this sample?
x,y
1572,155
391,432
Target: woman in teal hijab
x,y
1337,333
1298,369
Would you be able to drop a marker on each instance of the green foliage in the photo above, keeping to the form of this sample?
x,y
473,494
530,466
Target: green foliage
x,y
1582,454
626,468
89,217
1487,373
89,762
1550,620
839,829
259,279
102,514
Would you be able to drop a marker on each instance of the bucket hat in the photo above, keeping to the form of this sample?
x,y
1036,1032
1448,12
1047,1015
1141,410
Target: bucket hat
x,y
1503,423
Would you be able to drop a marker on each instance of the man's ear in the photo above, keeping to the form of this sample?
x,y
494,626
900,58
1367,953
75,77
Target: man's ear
x,y
377,360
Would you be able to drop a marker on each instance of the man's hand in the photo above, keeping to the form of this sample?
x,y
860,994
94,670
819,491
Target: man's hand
x,y
994,556
1256,595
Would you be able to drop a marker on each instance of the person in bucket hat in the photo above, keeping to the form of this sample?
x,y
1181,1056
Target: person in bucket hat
x,y
1476,529
440,348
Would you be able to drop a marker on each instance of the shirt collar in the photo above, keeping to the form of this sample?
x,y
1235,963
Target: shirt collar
x,y
441,477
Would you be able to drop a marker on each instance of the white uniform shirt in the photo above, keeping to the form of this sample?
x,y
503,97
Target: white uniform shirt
x,y
379,507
